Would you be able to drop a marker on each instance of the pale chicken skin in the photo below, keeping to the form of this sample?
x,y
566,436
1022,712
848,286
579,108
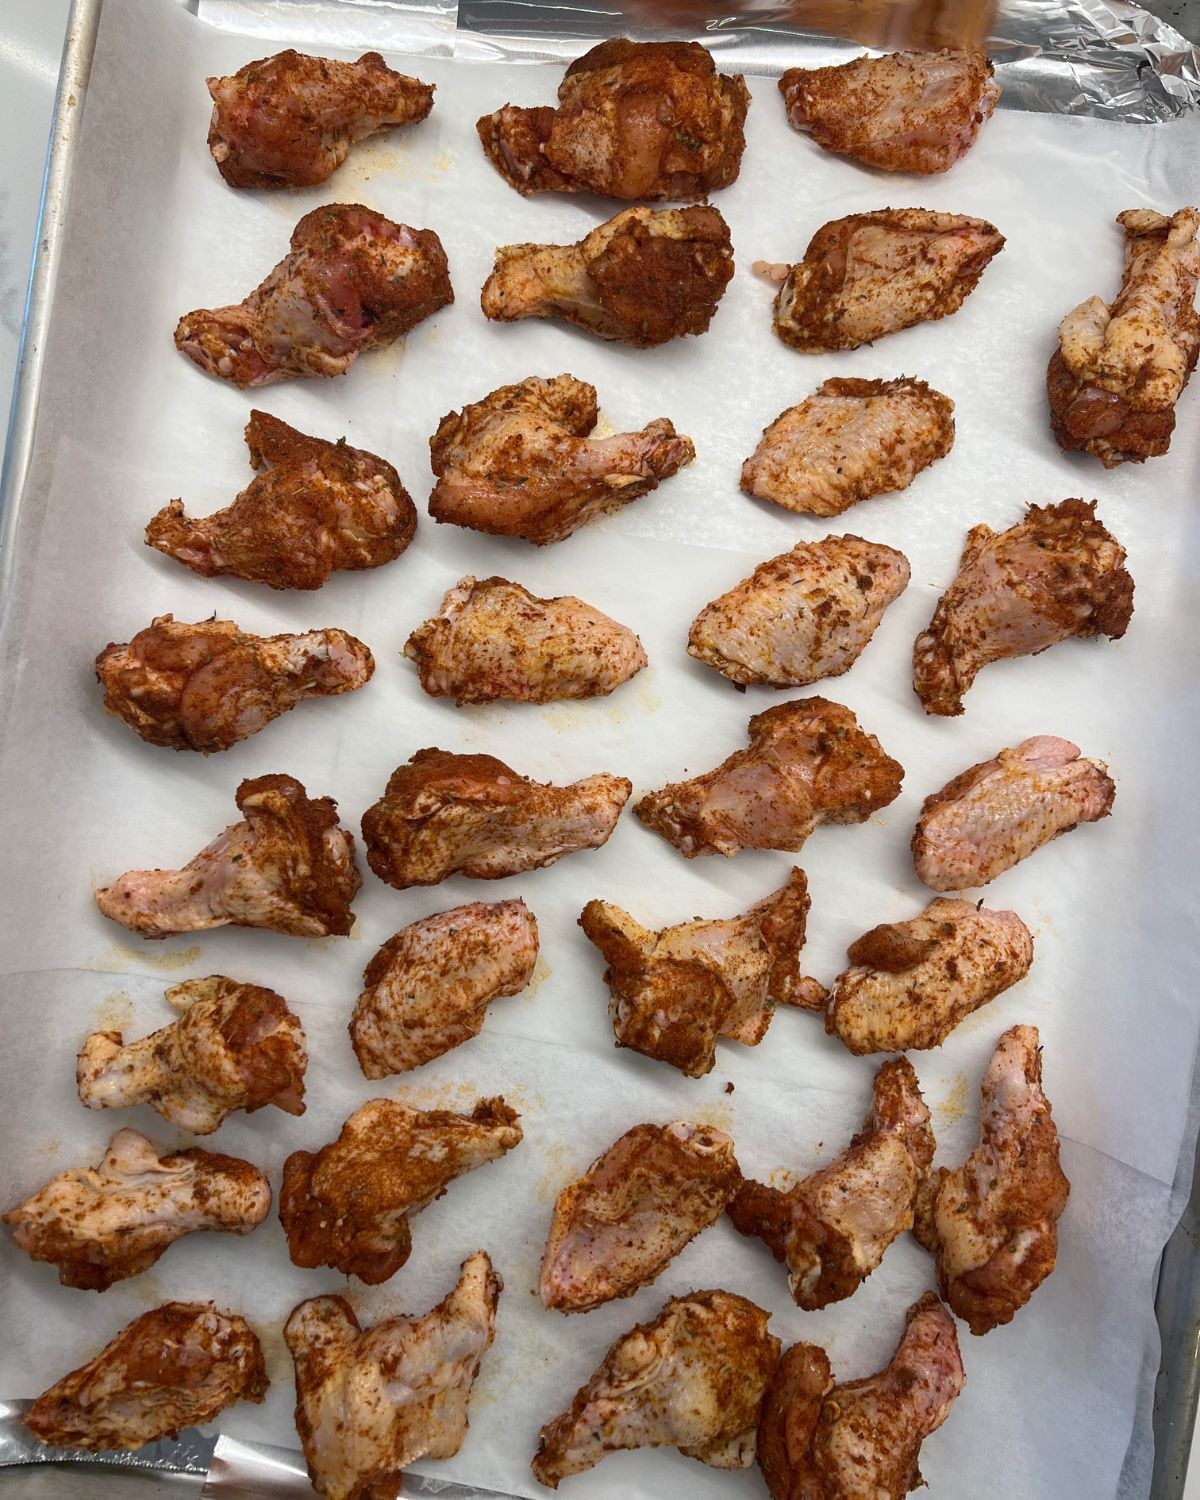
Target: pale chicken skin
x,y
444,814
428,988
100,1225
633,1211
1058,573
849,441
635,120
808,762
1120,368
369,1402
235,1046
176,1366
833,1227
641,278
693,1378
521,461
802,616
288,866
1002,810
348,1204
314,508
290,120
872,274
352,281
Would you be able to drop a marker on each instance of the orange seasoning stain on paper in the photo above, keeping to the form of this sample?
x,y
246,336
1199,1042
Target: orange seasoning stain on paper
x,y
118,958
115,1012
954,1105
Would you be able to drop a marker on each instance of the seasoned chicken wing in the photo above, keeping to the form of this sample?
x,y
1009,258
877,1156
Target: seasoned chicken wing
x,y
802,616
633,1211
445,814
99,1225
641,278
176,1366
849,441
371,1402
352,281
316,506
1120,367
348,1204
235,1046
290,120
833,1227
288,866
520,462
1002,810
1058,573
808,762
871,274
642,120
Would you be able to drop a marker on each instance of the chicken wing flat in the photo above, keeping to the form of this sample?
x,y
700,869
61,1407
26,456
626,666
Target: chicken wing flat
x,y
808,762
633,1211
693,1378
911,983
832,1228
99,1225
371,1402
520,462
871,274
805,615
644,120
176,1366
1058,573
445,814
290,120
849,441
316,507
288,866
353,281
348,1205
904,112
1120,368
428,988
641,278
1002,810
860,1440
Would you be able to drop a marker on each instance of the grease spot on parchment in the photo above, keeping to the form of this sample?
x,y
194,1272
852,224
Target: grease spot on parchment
x,y
541,972
954,1105
392,156
275,1351
563,1165
115,1012
644,695
118,959
781,1179
718,1115
148,1290
51,1148
564,718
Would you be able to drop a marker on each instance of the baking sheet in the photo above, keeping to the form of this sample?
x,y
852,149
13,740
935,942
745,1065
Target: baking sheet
x,y
125,424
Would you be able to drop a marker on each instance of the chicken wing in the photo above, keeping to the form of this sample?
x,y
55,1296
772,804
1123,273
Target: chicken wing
x,y
99,1225
288,866
1120,368
428,988
520,462
802,616
641,278
353,281
348,1204
693,1378
833,1227
1002,810
871,274
644,120
675,992
849,441
445,814
911,983
176,1366
808,762
290,120
1058,573
633,1211
992,1224
369,1403
861,1440
316,507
